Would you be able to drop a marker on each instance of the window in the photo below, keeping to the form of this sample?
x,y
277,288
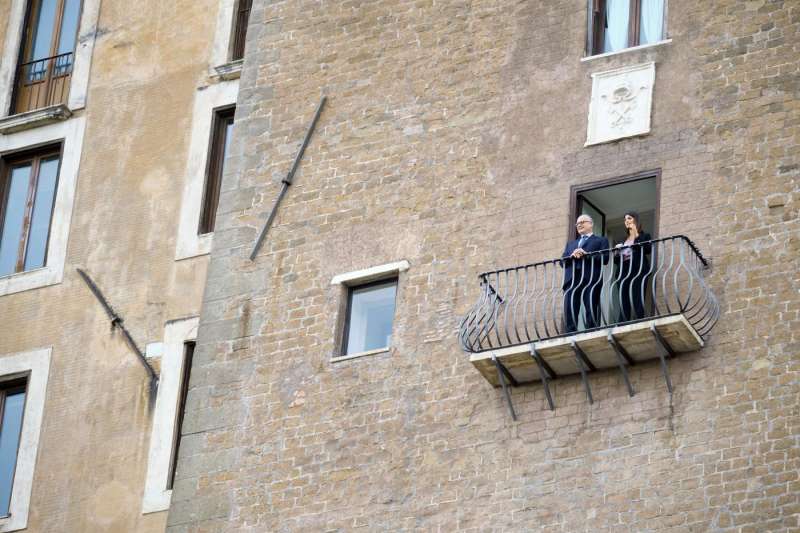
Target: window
x,y
188,353
12,405
27,194
370,312
176,354
240,28
43,76
620,24
220,140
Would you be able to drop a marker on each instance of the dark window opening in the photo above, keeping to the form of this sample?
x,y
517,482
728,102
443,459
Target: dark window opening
x,y
221,128
47,55
27,195
620,24
369,318
240,28
188,354
12,405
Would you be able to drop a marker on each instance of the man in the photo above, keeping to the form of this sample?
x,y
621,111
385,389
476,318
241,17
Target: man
x,y
583,275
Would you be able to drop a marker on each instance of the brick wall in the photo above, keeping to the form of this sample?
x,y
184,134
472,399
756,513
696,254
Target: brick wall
x,y
453,134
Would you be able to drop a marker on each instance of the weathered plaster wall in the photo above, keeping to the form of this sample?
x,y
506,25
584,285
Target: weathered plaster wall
x,y
453,134
149,60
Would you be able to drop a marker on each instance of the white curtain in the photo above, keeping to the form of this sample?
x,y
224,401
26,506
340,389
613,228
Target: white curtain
x,y
616,35
651,26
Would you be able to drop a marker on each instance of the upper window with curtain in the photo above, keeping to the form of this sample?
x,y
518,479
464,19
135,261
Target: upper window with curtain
x,y
48,50
620,24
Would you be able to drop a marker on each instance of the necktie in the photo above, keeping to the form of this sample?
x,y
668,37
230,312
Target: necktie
x,y
582,241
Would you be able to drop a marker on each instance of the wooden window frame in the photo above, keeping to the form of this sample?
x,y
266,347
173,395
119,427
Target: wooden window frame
x,y
598,9
7,164
349,307
11,386
188,355
241,18
214,168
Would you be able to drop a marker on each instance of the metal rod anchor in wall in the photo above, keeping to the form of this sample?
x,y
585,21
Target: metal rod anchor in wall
x,y
287,181
117,322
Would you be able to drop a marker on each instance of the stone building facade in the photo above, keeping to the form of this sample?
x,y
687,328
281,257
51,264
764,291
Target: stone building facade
x,y
122,128
454,138
457,137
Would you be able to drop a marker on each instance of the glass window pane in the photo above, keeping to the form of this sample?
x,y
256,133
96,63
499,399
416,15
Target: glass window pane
x,y
13,216
69,26
42,211
9,443
226,142
616,34
651,23
43,29
371,315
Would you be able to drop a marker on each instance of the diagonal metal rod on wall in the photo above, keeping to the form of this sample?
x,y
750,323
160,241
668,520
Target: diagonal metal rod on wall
x,y
116,322
287,180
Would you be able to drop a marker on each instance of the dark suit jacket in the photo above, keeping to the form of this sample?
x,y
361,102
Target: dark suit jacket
x,y
593,263
637,261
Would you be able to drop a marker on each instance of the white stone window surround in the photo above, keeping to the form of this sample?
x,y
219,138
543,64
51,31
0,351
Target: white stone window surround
x,y
35,364
621,103
79,82
626,50
362,277
70,134
223,35
590,35
207,99
176,334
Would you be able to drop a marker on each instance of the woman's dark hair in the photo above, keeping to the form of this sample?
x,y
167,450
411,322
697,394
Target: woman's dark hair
x,y
635,216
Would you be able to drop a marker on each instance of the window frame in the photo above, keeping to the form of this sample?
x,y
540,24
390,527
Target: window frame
x,y
164,434
215,168
576,190
395,280
32,366
13,385
596,26
188,355
239,27
8,162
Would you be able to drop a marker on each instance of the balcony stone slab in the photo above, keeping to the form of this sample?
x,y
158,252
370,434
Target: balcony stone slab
x,y
34,119
637,340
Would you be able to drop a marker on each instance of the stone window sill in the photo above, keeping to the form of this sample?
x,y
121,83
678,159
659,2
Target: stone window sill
x,y
626,50
338,358
34,119
229,71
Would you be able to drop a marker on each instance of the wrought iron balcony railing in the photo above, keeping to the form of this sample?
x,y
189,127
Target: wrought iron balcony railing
x,y
43,82
525,304
613,307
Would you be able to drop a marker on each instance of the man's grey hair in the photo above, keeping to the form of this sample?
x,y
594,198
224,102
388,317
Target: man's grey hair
x,y
586,216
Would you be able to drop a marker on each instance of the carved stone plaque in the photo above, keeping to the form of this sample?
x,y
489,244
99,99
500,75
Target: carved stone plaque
x,y
621,103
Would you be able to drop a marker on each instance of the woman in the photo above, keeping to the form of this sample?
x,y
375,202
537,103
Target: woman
x,y
633,260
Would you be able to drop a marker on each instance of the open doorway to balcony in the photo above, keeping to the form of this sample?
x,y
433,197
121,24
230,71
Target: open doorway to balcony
x,y
607,202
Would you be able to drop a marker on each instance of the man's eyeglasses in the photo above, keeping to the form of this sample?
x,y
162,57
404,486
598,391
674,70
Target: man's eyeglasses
x,y
581,222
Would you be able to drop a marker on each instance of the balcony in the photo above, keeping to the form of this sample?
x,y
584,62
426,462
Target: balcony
x,y
614,308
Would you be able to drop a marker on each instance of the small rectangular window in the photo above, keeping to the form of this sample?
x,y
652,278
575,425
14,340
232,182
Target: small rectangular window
x,y
242,16
12,405
370,313
620,24
27,195
218,152
188,353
